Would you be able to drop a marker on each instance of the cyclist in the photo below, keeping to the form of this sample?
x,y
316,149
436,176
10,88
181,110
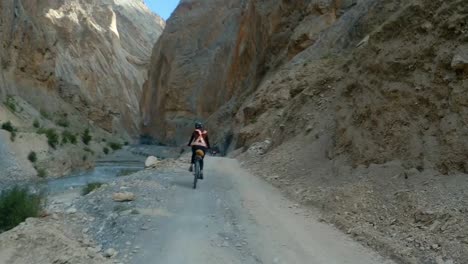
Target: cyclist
x,y
199,141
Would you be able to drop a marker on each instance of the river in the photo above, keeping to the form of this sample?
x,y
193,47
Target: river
x,y
128,160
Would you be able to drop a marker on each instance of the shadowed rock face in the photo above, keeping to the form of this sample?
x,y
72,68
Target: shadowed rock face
x,y
91,56
189,67
213,53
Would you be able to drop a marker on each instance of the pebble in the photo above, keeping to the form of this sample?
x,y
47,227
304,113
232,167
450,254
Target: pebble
x,y
109,253
96,249
71,211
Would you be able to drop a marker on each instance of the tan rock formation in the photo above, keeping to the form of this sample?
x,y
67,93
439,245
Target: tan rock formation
x,y
81,56
346,69
187,82
216,52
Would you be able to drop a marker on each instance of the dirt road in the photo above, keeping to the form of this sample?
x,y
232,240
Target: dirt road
x,y
237,218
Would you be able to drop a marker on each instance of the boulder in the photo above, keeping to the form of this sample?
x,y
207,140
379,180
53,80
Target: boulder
x,y
151,162
259,148
460,59
123,197
109,253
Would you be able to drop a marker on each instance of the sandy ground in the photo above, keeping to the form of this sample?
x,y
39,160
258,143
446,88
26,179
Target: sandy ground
x,y
237,218
233,217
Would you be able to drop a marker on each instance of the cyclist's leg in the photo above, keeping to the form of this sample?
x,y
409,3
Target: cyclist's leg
x,y
192,162
201,162
194,149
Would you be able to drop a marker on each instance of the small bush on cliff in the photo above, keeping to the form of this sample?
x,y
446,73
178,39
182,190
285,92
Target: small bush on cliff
x,y
115,145
36,123
68,137
45,114
41,173
91,187
16,205
105,150
63,122
10,103
52,138
8,126
32,157
86,137
87,149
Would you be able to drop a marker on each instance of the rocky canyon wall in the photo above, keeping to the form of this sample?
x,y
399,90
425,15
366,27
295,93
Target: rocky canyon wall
x,y
214,54
380,80
86,58
189,67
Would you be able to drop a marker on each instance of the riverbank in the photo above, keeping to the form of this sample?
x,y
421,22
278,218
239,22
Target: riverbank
x,y
82,229
68,217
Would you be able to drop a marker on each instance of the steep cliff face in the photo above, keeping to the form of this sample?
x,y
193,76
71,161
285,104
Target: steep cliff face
x,y
74,55
221,60
189,66
381,91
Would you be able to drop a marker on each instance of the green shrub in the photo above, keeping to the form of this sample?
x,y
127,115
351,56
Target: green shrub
x,y
87,149
8,126
32,157
126,143
63,122
36,123
90,187
68,137
115,146
41,173
105,150
84,158
52,136
45,114
16,205
10,103
86,137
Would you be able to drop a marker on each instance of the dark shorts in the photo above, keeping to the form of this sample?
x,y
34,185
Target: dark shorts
x,y
194,149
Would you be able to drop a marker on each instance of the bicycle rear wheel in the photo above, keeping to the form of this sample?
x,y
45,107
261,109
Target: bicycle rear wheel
x,y
196,173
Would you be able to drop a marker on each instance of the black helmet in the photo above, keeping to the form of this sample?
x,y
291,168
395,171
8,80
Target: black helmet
x,y
198,125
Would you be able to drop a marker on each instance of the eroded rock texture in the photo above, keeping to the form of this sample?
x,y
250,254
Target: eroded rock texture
x,y
90,56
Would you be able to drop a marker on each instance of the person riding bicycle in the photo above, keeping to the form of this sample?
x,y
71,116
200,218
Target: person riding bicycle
x,y
199,141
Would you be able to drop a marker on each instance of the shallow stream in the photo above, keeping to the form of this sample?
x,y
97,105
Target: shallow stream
x,y
121,163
